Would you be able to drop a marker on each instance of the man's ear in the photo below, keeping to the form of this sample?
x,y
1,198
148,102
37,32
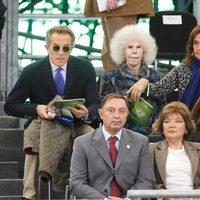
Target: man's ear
x,y
46,46
127,113
100,112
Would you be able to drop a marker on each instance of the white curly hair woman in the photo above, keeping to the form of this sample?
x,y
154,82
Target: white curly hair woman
x,y
132,48
133,33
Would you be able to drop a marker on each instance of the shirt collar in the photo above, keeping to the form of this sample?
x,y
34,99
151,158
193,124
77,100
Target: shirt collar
x,y
54,67
107,134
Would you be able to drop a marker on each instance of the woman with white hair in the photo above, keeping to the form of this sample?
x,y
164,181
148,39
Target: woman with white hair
x,y
132,48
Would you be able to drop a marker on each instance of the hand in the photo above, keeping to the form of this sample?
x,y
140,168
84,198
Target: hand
x,y
114,198
170,198
182,198
137,89
42,111
80,112
188,198
111,5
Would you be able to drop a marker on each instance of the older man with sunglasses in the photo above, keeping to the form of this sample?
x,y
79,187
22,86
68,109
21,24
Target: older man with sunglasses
x,y
37,83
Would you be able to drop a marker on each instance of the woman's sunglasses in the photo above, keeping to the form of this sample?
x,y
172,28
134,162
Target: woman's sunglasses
x,y
56,48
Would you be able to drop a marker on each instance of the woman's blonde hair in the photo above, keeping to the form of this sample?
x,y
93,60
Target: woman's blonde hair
x,y
128,34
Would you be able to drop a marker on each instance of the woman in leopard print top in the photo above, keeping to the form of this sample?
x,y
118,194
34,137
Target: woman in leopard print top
x,y
185,77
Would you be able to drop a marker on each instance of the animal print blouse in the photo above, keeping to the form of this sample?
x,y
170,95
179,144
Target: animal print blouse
x,y
178,78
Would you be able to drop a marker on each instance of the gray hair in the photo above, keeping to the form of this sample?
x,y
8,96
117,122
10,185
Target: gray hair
x,y
61,29
132,33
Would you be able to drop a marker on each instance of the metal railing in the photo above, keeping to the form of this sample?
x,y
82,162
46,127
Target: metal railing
x,y
55,16
159,194
156,194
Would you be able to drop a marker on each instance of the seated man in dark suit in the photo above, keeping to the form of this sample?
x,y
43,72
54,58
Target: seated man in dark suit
x,y
110,160
37,83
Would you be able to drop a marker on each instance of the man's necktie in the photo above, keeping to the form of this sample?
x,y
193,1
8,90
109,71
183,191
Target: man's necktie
x,y
60,83
115,189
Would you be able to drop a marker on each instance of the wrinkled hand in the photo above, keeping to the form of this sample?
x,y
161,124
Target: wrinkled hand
x,y
114,198
137,89
80,112
182,198
189,198
111,5
42,111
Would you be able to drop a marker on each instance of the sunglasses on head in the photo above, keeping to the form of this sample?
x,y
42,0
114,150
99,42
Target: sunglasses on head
x,y
56,48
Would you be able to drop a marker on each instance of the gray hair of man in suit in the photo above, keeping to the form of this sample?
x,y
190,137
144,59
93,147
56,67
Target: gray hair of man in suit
x,y
60,29
112,96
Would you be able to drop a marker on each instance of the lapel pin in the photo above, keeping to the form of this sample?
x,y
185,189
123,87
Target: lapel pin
x,y
128,146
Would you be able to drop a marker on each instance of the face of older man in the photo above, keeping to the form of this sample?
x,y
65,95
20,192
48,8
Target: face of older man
x,y
114,114
59,48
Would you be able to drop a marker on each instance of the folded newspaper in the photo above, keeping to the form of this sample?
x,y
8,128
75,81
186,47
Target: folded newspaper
x,y
68,103
102,4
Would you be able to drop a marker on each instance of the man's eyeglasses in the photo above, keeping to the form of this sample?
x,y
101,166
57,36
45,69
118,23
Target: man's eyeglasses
x,y
56,48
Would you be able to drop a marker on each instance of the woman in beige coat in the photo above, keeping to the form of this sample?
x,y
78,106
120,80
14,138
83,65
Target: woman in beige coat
x,y
176,160
114,18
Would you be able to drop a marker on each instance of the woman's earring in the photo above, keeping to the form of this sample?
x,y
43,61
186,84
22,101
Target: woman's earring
x,y
192,54
186,132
